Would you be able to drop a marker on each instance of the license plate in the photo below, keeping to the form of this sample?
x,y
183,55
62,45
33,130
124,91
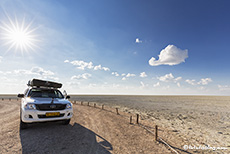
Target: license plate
x,y
52,114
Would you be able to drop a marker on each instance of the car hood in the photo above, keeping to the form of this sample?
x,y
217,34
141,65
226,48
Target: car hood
x,y
46,100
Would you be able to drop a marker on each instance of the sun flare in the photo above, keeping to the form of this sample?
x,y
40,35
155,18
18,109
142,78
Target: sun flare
x,y
18,36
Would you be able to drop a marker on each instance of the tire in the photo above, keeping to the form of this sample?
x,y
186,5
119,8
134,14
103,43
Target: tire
x,y
66,122
23,125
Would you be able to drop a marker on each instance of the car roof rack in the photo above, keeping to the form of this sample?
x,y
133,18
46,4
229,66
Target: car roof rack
x,y
37,83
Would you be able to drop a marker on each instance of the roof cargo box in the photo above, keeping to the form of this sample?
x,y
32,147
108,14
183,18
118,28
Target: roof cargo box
x,y
43,83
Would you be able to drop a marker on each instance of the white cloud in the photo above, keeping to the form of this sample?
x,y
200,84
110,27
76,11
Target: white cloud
x,y
81,76
99,67
66,61
41,71
191,82
126,76
22,72
115,73
138,40
143,85
171,55
123,75
0,59
157,84
83,65
130,75
224,87
166,77
177,79
178,84
7,72
90,65
169,78
143,75
34,71
205,81
105,68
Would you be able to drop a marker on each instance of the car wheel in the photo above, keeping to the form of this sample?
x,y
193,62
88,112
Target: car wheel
x,y
66,122
23,125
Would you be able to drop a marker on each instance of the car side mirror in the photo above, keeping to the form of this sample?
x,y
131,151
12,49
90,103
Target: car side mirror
x,y
67,97
21,95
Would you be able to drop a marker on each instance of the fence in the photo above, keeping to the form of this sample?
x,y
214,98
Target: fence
x,y
9,99
155,133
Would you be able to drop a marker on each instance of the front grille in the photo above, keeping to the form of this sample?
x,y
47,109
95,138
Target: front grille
x,y
50,107
41,116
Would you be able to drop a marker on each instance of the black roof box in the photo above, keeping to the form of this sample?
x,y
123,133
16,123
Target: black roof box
x,y
43,83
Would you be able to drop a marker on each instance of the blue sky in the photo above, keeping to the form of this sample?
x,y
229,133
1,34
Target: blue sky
x,y
117,47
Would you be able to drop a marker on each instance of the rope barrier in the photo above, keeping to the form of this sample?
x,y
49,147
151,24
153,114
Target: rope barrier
x,y
159,138
168,145
143,126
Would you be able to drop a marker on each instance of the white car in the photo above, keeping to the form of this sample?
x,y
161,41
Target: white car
x,y
42,102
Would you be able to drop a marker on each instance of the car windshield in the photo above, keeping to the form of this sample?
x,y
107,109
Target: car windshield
x,y
45,93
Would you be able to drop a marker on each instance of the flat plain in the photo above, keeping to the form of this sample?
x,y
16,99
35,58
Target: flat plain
x,y
182,120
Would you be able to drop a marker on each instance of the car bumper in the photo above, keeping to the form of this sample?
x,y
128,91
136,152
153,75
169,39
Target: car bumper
x,y
30,116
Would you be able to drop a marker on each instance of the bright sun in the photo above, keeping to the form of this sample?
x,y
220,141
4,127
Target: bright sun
x,y
18,35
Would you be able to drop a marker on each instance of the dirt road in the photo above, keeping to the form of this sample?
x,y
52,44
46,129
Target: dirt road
x,y
90,131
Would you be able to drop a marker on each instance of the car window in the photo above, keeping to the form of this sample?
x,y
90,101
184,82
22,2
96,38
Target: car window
x,y
26,91
45,93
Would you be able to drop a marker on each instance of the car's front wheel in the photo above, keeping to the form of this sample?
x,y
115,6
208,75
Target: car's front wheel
x,y
66,122
23,125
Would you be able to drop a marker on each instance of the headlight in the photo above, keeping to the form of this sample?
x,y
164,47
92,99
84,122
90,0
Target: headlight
x,y
68,106
30,106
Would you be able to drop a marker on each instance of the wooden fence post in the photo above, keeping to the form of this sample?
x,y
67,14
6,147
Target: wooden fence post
x,y
74,102
156,133
81,102
88,103
94,104
2,99
102,107
117,111
9,99
137,118
130,119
